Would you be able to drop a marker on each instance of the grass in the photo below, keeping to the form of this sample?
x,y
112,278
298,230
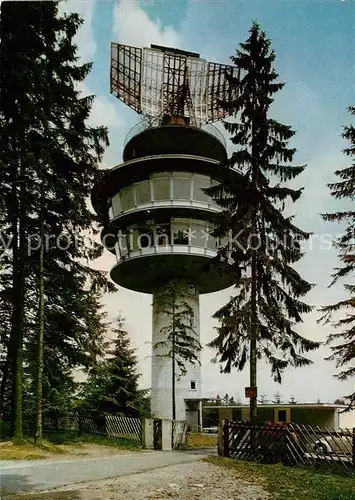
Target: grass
x,y
28,451
197,440
60,443
124,443
285,483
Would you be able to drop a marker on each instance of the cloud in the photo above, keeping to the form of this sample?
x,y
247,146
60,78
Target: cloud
x,y
103,112
132,26
84,38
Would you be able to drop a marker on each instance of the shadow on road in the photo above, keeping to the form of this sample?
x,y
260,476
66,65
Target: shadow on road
x,y
201,451
17,482
13,482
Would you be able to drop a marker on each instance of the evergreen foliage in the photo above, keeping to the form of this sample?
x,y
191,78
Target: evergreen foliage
x,y
47,145
260,319
112,384
277,399
343,342
179,336
179,339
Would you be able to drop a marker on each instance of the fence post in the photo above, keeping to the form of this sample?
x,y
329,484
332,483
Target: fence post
x,y
79,425
354,448
225,438
220,438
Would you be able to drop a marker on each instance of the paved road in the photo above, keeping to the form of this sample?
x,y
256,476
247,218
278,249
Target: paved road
x,y
38,475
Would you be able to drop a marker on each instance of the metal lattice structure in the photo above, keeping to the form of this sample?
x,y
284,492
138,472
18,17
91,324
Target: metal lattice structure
x,y
160,81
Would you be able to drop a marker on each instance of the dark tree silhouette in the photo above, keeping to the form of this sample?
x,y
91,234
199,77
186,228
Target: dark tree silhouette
x,y
261,317
343,342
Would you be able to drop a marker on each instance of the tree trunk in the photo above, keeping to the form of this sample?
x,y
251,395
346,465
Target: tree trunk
x,y
5,378
254,291
40,335
16,336
173,365
253,337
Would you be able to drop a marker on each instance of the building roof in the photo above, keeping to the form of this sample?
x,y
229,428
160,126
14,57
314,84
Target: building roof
x,y
283,405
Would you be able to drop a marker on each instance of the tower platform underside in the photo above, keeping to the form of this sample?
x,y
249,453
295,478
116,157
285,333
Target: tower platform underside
x,y
144,273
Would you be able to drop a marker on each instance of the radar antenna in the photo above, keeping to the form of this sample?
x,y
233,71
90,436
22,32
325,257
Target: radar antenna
x,y
169,85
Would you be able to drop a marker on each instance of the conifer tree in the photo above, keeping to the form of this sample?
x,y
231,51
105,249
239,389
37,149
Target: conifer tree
x,y
225,400
277,398
260,318
179,338
46,141
343,342
112,384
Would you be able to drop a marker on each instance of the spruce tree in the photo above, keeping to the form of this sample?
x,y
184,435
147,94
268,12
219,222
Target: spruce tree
x,y
259,320
46,141
277,398
343,343
112,384
225,400
179,338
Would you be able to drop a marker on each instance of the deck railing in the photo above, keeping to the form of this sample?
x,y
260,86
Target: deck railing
x,y
145,125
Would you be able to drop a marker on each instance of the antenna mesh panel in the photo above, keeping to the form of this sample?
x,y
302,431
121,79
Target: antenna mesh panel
x,y
152,82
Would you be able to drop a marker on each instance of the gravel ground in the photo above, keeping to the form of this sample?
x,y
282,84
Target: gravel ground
x,y
198,480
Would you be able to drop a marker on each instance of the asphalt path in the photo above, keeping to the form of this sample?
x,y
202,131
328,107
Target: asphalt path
x,y
38,475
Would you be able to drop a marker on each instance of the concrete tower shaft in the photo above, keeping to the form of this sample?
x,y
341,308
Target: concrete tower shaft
x,y
187,386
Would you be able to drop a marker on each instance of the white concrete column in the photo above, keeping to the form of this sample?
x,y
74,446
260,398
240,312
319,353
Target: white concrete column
x,y
148,433
186,386
166,435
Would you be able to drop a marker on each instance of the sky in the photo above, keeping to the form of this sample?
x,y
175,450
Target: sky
x,y
314,42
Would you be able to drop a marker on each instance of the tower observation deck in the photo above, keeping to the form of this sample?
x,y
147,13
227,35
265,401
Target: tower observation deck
x,y
156,218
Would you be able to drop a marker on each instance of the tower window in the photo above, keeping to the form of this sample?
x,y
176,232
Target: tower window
x,y
161,182
180,229
126,198
201,182
142,192
181,186
193,385
116,204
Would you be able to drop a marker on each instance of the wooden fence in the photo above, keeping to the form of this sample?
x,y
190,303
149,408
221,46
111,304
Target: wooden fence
x,y
111,426
127,427
96,423
290,444
179,435
115,426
